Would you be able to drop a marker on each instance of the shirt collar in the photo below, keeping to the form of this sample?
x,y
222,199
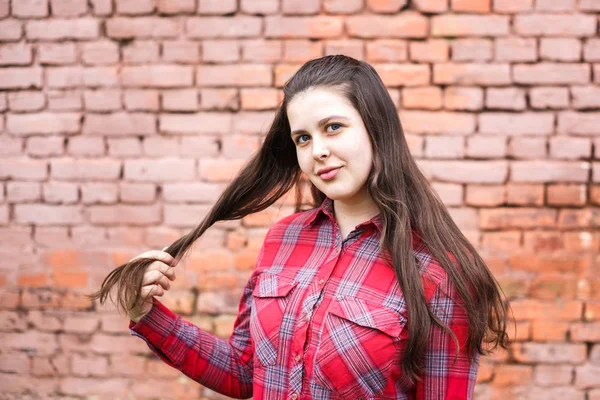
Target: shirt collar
x,y
326,208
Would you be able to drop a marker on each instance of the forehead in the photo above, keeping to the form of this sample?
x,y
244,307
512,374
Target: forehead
x,y
314,104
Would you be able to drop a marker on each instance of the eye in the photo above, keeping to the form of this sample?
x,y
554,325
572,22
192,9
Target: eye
x,y
334,124
298,139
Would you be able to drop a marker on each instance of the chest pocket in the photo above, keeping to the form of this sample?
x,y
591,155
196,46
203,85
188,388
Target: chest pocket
x,y
357,347
269,326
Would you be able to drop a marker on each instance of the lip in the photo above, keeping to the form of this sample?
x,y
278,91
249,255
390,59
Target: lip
x,y
326,169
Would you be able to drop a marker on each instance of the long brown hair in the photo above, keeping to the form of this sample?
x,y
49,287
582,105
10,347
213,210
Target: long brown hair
x,y
402,193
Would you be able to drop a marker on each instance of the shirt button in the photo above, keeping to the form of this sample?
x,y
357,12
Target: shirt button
x,y
322,281
298,357
307,317
294,396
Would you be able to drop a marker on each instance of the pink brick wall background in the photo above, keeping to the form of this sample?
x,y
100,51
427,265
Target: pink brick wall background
x,y
122,120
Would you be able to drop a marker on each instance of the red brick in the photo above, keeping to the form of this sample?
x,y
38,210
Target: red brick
x,y
560,49
387,50
15,362
159,146
100,76
511,98
464,171
471,6
588,5
427,97
30,8
471,74
403,74
471,50
485,195
57,53
219,99
284,72
463,98
68,8
198,147
103,100
386,6
486,146
579,123
135,7
101,386
180,100
223,27
43,123
292,7
553,310
10,146
547,171
591,50
317,27
41,214
429,50
262,51
100,53
508,375
451,147
549,97
220,170
23,192
200,123
545,331
141,52
469,25
142,27
125,214
592,311
551,74
57,29
26,100
259,98
85,169
199,192
573,148
89,365
4,8
180,52
45,146
259,7
60,192
157,76
451,194
585,97
163,170
527,147
16,54
137,192
350,47
101,7
141,100
516,124
119,124
221,51
342,6
404,25
217,6
536,241
301,50
555,25
124,147
437,122
577,218
176,6
10,29
502,218
585,332
549,5
515,49
553,375
99,193
234,75
178,215
64,100
512,6
20,78
25,169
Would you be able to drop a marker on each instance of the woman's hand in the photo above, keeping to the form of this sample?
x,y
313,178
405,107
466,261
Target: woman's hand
x,y
156,281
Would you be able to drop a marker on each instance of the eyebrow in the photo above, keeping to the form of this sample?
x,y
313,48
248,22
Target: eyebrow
x,y
321,123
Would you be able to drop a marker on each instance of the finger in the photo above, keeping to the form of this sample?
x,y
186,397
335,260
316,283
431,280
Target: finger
x,y
153,277
151,290
169,272
158,255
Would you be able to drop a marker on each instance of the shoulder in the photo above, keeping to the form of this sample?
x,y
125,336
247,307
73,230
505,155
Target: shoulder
x,y
435,278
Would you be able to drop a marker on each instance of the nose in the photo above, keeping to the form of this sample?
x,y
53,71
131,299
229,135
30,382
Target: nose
x,y
320,149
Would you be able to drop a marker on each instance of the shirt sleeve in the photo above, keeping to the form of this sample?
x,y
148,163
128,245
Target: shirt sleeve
x,y
225,366
446,377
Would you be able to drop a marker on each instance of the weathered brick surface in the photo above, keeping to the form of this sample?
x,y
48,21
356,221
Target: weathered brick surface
x,y
122,121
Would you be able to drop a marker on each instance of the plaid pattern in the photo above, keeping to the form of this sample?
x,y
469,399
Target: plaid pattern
x,y
321,317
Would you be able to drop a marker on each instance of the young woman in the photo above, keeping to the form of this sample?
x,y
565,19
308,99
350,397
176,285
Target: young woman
x,y
372,294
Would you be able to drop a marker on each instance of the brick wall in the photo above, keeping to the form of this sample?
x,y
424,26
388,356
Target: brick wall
x,y
122,120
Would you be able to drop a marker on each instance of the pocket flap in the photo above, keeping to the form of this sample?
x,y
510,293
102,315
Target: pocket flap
x,y
271,285
369,314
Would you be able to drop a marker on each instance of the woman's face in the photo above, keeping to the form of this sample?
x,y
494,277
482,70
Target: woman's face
x,y
329,132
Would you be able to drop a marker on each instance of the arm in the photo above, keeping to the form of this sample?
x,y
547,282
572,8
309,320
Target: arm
x,y
223,366
445,378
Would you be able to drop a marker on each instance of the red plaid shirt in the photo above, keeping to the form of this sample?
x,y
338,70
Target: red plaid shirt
x,y
323,318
